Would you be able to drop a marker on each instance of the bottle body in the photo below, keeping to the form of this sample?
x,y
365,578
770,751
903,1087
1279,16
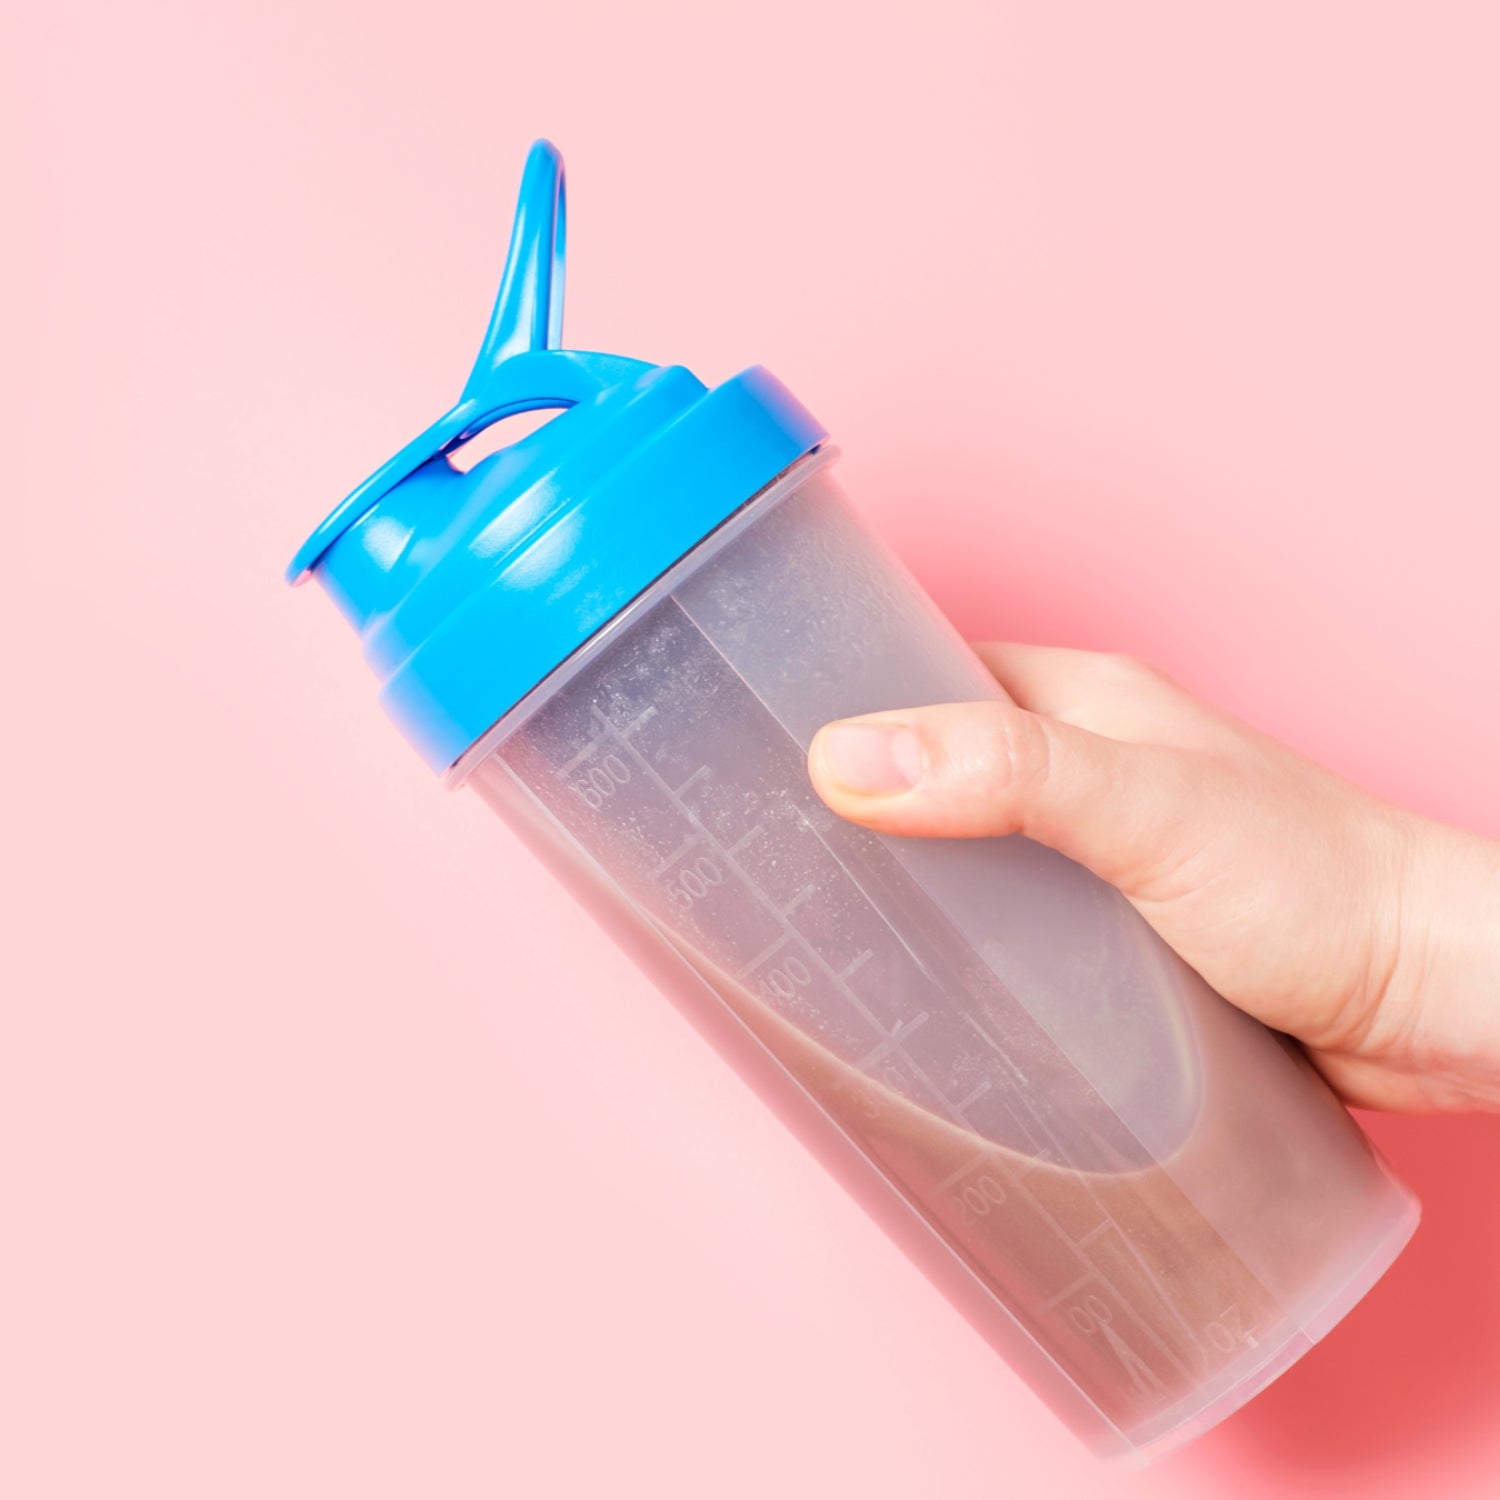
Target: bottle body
x,y
1148,1201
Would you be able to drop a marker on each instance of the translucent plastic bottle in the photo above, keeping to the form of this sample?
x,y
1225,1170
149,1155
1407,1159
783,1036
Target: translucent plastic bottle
x,y
623,631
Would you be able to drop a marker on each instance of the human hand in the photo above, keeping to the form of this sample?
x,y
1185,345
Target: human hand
x,y
1369,934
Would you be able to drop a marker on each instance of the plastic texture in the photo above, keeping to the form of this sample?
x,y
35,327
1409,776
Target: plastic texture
x,y
521,559
1161,1203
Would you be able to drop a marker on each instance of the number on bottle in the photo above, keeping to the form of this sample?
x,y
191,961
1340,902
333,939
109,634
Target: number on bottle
x,y
786,979
694,881
980,1198
600,781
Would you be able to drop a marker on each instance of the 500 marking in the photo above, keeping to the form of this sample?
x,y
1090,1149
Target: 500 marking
x,y
694,882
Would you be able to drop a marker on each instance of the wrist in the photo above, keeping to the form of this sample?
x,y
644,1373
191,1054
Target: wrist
x,y
1448,997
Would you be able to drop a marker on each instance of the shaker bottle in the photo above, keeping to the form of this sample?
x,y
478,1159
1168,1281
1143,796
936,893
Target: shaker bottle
x,y
622,631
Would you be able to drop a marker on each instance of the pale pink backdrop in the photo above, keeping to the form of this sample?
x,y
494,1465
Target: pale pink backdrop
x,y
342,1157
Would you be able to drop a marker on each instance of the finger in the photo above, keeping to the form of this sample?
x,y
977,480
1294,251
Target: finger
x,y
967,770
1107,694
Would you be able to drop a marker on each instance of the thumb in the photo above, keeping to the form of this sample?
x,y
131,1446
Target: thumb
x,y
1129,812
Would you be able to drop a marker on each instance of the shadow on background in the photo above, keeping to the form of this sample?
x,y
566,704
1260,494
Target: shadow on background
x,y
1413,1373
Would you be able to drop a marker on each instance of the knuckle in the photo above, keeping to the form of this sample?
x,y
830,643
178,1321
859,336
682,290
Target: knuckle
x,y
1116,675
1120,668
1011,751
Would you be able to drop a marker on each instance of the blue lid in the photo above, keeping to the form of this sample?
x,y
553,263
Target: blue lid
x,y
467,589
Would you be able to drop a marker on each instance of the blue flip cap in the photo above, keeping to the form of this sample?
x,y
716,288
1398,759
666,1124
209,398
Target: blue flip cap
x,y
468,588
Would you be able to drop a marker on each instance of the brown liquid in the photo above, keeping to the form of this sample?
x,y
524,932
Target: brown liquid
x,y
1123,1281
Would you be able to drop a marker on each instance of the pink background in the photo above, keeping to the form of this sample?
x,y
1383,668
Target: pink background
x,y
341,1155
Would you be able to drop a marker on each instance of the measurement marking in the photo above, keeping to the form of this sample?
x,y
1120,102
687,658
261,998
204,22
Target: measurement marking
x,y
891,932
795,902
1071,1290
905,1028
1000,1051
1160,1291
891,1042
1107,1223
675,855
700,772
976,1161
899,939
746,838
856,963
568,767
635,723
1145,1328
1124,1302
763,955
755,891
1007,1104
973,1096
1084,1240
1046,1147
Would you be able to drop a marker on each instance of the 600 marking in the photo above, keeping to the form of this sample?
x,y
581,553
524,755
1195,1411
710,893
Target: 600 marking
x,y
604,780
